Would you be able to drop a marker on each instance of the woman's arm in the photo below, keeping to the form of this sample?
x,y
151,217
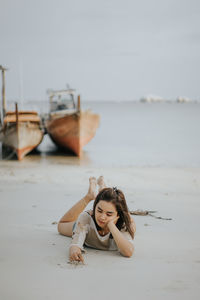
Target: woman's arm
x,y
125,247
78,237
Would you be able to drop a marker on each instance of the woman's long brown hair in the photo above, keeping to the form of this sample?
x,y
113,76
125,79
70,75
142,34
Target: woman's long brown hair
x,y
116,197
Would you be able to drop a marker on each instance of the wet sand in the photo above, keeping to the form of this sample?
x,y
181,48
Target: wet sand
x,y
34,257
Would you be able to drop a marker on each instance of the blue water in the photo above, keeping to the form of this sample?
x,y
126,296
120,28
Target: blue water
x,y
142,134
136,134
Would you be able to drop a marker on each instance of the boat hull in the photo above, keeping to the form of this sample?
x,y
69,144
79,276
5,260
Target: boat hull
x,y
22,137
73,131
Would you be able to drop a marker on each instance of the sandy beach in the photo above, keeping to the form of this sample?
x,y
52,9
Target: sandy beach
x,y
135,64
34,257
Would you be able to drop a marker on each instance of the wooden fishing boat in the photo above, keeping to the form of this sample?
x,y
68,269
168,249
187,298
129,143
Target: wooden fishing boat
x,y
21,131
68,126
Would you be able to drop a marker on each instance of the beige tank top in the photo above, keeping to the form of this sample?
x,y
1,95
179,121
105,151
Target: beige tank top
x,y
85,233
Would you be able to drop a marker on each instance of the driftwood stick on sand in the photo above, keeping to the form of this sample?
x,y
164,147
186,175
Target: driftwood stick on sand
x,y
147,213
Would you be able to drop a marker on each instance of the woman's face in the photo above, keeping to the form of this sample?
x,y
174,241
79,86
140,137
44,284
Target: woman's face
x,y
104,212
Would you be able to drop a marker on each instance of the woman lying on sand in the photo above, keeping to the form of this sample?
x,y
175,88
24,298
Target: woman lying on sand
x,y
108,226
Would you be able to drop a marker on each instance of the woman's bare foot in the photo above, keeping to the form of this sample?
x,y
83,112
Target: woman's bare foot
x,y
92,188
101,183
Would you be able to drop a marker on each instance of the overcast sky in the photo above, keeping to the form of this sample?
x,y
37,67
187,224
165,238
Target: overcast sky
x,y
107,50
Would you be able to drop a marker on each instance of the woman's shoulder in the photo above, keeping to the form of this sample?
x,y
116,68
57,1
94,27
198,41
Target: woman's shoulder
x,y
89,212
84,217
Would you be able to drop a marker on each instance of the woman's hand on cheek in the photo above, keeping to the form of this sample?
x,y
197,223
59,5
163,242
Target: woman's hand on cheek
x,y
113,221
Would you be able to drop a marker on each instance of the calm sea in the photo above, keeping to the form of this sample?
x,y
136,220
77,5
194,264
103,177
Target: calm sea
x,y
135,134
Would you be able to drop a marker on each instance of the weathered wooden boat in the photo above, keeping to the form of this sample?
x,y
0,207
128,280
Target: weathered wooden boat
x,y
68,126
21,131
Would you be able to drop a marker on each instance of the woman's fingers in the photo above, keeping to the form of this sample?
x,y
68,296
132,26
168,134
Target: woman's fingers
x,y
76,257
81,257
115,219
75,254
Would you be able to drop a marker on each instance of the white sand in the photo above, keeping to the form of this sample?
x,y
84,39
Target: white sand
x,y
33,256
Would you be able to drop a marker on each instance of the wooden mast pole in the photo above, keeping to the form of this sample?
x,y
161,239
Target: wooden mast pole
x,y
17,129
3,90
79,103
